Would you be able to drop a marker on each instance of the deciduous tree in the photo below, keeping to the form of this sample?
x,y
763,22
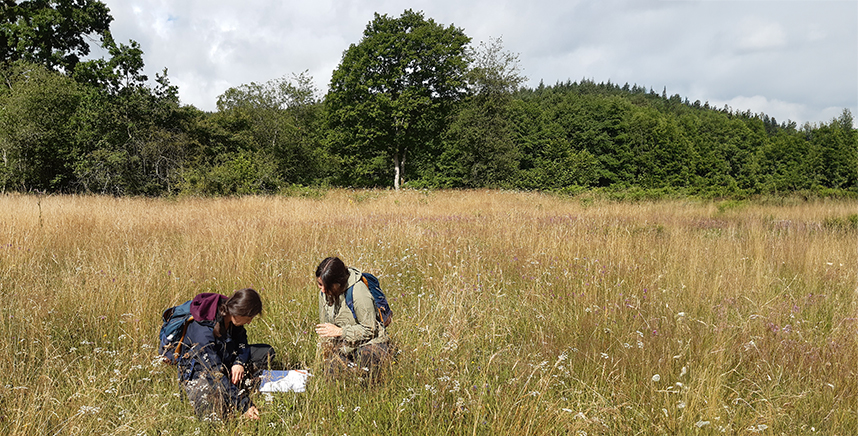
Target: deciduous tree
x,y
479,150
390,94
283,116
53,33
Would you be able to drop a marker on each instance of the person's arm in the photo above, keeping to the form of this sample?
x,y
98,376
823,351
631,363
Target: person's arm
x,y
252,413
365,327
200,342
242,357
201,339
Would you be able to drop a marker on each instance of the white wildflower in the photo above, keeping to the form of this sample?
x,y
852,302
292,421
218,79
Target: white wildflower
x,y
456,386
656,378
88,409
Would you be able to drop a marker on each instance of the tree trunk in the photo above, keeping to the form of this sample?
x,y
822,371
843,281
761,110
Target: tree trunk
x,y
397,168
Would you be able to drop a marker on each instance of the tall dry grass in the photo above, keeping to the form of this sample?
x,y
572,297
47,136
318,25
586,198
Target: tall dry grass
x,y
515,313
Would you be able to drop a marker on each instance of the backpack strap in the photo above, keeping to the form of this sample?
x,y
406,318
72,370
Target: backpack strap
x,y
182,341
380,315
350,299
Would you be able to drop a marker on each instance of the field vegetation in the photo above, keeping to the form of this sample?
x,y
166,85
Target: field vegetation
x,y
515,313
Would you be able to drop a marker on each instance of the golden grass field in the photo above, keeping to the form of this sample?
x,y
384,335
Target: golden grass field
x,y
515,313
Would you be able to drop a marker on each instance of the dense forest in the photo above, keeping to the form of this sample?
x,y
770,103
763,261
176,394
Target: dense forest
x,y
412,104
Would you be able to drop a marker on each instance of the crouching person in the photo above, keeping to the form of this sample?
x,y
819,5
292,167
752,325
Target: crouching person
x,y
217,366
357,341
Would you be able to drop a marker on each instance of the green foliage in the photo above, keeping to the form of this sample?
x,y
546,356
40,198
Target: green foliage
x,y
53,33
37,128
122,71
140,140
848,223
411,91
389,96
242,173
106,131
283,117
837,143
303,192
478,148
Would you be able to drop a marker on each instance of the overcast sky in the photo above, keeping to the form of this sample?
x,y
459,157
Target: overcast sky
x,y
790,59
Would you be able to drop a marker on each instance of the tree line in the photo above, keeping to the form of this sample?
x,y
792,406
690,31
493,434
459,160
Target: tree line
x,y
414,103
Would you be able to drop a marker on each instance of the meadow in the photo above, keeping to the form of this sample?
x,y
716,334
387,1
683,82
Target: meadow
x,y
515,313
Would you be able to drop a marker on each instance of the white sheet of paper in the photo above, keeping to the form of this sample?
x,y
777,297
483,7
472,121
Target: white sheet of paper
x,y
294,380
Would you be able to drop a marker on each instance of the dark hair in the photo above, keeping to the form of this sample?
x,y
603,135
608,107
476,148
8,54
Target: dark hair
x,y
244,302
335,278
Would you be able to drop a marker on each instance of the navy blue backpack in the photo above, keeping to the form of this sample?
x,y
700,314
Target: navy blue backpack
x,y
176,320
383,312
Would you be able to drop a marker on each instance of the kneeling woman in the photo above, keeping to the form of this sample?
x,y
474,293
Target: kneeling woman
x,y
217,366
358,339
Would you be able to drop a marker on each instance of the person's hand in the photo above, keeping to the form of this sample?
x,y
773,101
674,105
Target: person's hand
x,y
328,330
252,413
236,374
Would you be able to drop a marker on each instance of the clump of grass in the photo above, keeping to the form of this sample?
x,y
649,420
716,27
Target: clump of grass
x,y
516,313
848,223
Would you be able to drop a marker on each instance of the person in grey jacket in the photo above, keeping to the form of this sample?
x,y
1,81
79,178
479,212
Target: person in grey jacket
x,y
357,340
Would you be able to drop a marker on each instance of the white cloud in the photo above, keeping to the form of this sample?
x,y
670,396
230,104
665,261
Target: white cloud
x,y
760,104
756,35
795,59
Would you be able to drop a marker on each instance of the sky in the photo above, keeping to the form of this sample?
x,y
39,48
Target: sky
x,y
790,59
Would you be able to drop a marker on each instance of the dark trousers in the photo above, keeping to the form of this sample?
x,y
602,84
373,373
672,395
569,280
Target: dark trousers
x,y
214,397
366,361
261,358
